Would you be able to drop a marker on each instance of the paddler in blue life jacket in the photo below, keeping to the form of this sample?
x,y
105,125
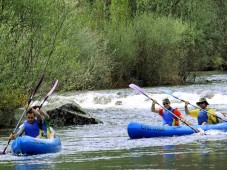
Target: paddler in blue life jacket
x,y
204,115
45,130
31,125
168,119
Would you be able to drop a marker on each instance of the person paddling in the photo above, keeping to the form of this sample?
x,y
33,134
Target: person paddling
x,y
168,119
31,125
204,115
45,130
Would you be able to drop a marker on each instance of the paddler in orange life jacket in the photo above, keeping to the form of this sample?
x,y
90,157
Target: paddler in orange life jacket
x,y
202,114
168,119
31,125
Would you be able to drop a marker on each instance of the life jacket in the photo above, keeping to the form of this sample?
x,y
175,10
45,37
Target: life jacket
x,y
44,129
167,117
31,129
202,117
209,118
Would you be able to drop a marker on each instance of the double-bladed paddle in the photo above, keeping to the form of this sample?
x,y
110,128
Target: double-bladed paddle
x,y
138,89
29,101
166,92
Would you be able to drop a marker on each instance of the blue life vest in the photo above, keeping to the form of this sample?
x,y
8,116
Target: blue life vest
x,y
202,117
167,117
31,129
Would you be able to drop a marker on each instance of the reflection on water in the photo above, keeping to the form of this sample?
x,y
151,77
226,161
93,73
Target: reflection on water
x,y
199,155
168,153
32,166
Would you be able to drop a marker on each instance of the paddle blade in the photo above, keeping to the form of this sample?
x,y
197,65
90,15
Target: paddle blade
x,y
138,89
50,92
53,88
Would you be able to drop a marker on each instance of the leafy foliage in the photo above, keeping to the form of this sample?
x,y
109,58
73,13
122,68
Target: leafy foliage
x,y
93,44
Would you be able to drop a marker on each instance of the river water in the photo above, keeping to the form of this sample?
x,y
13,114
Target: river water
x,y
107,145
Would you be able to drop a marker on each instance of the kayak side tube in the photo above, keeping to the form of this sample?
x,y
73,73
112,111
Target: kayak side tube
x,y
139,130
32,146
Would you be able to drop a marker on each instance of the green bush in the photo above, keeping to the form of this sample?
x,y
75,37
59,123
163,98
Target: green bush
x,y
11,99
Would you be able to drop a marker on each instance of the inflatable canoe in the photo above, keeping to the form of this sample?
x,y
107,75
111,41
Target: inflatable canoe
x,y
139,130
27,145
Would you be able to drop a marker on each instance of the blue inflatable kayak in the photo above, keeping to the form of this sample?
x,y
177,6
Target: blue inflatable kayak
x,y
140,130
27,145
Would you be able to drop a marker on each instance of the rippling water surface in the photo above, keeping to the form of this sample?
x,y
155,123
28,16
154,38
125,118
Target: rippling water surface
x,y
107,145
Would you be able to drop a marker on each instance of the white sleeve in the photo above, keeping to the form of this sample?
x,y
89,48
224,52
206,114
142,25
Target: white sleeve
x,y
20,130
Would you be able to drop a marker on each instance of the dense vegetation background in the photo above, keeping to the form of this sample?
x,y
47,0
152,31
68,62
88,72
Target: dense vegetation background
x,y
95,44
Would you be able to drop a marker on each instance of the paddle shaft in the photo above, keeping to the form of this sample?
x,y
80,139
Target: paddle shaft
x,y
135,87
29,101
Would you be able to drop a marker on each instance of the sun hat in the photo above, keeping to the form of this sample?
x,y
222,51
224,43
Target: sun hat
x,y
166,100
201,100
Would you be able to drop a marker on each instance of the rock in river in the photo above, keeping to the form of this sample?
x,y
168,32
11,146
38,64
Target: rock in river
x,y
70,114
64,113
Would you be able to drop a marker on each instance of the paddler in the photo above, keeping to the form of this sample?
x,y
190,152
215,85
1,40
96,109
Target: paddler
x,y
31,125
168,119
204,115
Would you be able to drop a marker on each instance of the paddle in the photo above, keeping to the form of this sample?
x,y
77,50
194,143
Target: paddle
x,y
50,92
29,101
164,91
138,89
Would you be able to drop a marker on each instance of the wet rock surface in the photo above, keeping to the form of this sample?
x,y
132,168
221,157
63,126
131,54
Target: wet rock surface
x,y
70,114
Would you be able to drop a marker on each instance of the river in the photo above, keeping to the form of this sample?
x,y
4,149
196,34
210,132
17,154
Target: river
x,y
107,145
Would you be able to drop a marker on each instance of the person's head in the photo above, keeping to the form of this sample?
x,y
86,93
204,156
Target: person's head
x,y
202,103
30,116
166,103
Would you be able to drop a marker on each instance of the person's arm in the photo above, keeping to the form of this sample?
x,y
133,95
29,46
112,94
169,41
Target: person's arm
x,y
186,108
182,119
178,114
37,114
44,114
153,109
18,133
